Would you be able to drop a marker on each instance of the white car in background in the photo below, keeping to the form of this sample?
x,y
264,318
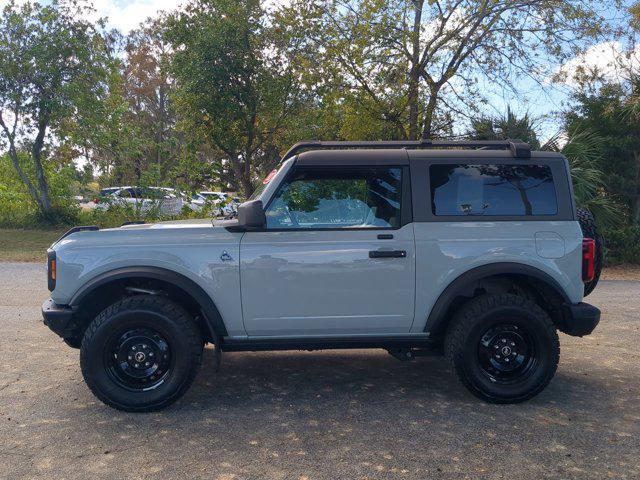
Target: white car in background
x,y
143,198
223,206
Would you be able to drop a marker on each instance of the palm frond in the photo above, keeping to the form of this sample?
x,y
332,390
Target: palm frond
x,y
583,151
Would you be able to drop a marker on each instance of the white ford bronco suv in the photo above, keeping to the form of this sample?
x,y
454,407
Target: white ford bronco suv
x,y
474,250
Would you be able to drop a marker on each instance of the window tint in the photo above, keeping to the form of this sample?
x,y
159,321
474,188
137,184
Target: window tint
x,y
492,190
338,198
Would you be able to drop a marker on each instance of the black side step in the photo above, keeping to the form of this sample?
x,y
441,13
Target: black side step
x,y
324,343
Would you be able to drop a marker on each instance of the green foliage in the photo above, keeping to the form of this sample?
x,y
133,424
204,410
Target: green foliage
x,y
409,66
622,245
505,127
609,113
210,96
235,84
583,149
306,196
52,62
18,208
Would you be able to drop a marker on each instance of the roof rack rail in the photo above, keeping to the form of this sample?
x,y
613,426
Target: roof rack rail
x,y
519,149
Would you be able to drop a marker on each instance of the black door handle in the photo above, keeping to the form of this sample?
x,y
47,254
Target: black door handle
x,y
387,253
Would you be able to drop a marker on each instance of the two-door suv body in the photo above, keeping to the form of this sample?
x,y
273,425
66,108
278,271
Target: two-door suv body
x,y
473,250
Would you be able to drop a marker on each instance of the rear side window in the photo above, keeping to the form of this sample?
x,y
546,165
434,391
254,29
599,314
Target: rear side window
x,y
498,190
344,197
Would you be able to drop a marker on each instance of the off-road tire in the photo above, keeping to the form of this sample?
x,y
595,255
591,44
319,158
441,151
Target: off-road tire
x,y
142,311
486,312
590,230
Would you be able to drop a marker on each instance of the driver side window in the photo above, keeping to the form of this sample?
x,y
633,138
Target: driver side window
x,y
338,197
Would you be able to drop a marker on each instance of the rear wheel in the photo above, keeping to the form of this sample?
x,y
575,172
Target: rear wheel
x,y
504,348
141,353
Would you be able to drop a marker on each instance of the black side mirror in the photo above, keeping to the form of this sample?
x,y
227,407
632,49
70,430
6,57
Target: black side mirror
x,y
251,215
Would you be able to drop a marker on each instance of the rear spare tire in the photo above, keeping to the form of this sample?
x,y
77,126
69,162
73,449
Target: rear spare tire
x,y
590,230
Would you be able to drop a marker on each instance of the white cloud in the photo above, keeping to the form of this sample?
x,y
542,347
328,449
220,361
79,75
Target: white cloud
x,y
127,15
610,59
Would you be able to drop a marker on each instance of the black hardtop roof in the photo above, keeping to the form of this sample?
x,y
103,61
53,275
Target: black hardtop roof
x,y
399,152
518,148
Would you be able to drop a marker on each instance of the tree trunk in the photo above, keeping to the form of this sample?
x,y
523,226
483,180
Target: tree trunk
x,y
33,191
413,96
528,208
429,113
247,185
36,152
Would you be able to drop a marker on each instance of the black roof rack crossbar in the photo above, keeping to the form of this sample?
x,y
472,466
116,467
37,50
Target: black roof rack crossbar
x,y
519,149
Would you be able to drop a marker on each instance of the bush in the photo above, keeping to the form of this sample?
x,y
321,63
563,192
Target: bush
x,y
18,210
622,245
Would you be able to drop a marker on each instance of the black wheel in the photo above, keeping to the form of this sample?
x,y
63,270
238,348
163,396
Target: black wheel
x,y
590,230
504,348
141,353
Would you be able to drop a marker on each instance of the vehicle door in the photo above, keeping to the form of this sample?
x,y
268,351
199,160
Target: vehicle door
x,y
336,257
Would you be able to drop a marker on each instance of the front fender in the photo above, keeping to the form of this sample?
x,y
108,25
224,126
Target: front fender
x,y
193,255
212,316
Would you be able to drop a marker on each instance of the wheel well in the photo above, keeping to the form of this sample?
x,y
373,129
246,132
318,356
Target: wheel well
x,y
539,291
99,298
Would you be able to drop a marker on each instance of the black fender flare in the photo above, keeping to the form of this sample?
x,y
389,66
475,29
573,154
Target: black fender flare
x,y
210,312
438,315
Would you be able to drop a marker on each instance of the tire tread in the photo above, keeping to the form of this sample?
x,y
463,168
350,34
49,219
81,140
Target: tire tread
x,y
462,323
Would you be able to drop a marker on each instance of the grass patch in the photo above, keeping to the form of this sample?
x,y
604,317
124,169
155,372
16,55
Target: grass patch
x,y
26,245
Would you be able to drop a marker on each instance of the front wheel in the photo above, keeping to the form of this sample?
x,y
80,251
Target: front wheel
x,y
141,353
504,348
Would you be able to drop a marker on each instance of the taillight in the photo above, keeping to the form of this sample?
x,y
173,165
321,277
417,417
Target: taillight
x,y
588,259
51,270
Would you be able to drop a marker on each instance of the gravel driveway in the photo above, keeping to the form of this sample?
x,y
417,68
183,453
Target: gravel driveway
x,y
320,415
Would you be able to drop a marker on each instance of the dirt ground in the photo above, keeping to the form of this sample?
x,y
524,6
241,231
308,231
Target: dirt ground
x,y
320,415
622,272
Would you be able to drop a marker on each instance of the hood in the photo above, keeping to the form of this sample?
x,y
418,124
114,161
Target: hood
x,y
171,224
181,231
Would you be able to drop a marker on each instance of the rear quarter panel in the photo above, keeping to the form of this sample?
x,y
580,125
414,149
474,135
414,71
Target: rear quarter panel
x,y
446,250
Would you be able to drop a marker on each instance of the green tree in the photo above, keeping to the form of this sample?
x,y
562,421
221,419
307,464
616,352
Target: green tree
x,y
609,111
148,89
51,64
504,127
584,151
235,87
107,134
412,63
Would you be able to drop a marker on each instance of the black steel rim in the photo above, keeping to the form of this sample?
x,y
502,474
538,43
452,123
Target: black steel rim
x,y
506,353
138,359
